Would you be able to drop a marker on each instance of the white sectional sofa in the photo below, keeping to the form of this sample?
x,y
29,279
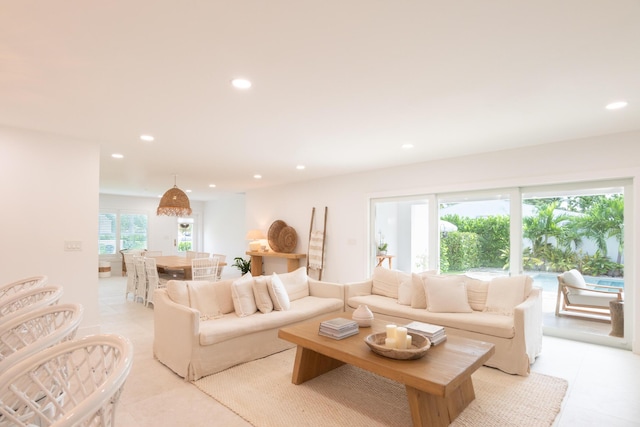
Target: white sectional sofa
x,y
205,327
505,311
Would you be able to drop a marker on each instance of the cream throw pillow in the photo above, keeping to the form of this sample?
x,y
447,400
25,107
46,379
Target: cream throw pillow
x,y
203,297
385,282
477,293
177,290
261,294
278,294
418,296
505,293
404,291
446,294
296,283
244,302
574,278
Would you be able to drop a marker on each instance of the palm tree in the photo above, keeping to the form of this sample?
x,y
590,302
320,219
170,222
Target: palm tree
x,y
602,220
544,225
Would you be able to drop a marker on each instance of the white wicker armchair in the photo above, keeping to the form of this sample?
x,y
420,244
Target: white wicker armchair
x,y
10,289
36,330
31,299
74,383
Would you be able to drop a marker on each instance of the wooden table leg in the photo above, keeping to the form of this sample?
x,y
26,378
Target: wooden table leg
x,y
429,410
309,364
292,264
256,265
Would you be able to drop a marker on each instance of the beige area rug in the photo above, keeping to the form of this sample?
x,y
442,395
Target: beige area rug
x,y
261,392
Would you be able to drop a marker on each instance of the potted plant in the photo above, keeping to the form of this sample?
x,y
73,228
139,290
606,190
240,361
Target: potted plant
x,y
241,264
382,248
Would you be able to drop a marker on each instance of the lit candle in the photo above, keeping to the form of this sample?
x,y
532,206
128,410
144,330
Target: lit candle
x,y
408,341
401,337
390,342
391,331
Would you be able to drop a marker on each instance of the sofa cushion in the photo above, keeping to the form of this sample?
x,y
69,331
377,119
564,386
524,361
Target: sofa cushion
x,y
261,294
242,293
296,283
404,291
505,293
278,293
477,293
476,321
177,291
418,296
231,326
203,297
386,282
574,278
446,294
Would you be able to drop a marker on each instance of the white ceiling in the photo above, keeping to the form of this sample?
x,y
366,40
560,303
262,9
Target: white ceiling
x,y
338,85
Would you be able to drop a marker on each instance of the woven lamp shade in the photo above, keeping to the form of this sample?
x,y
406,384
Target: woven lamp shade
x,y
174,203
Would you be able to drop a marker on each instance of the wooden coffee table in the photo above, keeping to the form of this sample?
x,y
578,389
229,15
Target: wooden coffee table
x,y
438,385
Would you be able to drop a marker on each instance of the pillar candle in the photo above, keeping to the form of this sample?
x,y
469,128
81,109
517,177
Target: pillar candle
x,y
391,331
408,341
401,337
390,342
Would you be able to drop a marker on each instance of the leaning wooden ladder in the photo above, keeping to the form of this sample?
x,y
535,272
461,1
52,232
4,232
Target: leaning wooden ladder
x,y
315,251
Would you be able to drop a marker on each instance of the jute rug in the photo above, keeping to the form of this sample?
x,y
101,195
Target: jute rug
x,y
261,392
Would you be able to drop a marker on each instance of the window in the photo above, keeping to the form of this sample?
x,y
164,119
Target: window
x,y
185,234
121,231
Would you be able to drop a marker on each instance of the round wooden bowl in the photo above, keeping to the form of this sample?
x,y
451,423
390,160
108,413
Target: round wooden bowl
x,y
274,233
419,346
287,239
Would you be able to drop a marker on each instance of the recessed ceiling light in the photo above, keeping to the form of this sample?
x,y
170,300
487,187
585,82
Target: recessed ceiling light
x,y
407,146
148,138
241,83
212,186
300,167
257,176
117,156
187,191
616,105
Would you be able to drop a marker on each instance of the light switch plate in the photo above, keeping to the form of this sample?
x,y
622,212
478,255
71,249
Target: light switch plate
x,y
72,245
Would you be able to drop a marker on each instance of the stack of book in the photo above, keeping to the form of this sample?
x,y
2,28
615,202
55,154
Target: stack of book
x,y
435,333
338,328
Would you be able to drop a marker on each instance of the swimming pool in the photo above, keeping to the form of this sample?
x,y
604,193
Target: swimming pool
x,y
549,281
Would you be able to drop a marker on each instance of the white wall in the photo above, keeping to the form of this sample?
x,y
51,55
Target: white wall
x,y
347,244
49,187
224,229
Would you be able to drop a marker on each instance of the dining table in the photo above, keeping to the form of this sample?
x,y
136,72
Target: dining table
x,y
176,262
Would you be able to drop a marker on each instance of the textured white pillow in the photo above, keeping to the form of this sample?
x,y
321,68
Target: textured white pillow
x,y
261,294
418,296
404,291
505,293
446,294
244,302
278,294
203,297
385,282
477,293
574,278
296,283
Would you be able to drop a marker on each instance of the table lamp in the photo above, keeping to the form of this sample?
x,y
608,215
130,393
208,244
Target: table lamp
x,y
254,236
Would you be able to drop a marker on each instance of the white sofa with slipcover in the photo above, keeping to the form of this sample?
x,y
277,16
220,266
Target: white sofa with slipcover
x,y
204,327
505,311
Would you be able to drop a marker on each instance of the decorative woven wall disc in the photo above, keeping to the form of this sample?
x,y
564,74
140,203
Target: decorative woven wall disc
x,y
287,239
273,233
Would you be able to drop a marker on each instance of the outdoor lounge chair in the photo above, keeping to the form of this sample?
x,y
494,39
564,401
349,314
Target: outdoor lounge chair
x,y
578,298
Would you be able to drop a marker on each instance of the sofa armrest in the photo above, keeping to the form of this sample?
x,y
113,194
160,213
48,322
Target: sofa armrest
x,y
356,289
527,322
176,332
321,289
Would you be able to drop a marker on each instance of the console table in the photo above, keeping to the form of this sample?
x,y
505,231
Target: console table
x,y
293,260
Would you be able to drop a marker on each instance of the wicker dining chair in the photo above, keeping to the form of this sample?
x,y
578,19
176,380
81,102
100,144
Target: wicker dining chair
x,y
36,330
141,279
74,383
154,280
30,299
204,269
12,288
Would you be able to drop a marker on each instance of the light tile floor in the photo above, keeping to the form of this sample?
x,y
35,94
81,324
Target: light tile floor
x,y
604,383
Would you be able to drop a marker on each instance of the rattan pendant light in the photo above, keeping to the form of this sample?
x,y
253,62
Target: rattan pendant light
x,y
174,202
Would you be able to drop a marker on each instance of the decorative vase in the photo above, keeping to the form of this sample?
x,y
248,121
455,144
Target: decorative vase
x,y
363,316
